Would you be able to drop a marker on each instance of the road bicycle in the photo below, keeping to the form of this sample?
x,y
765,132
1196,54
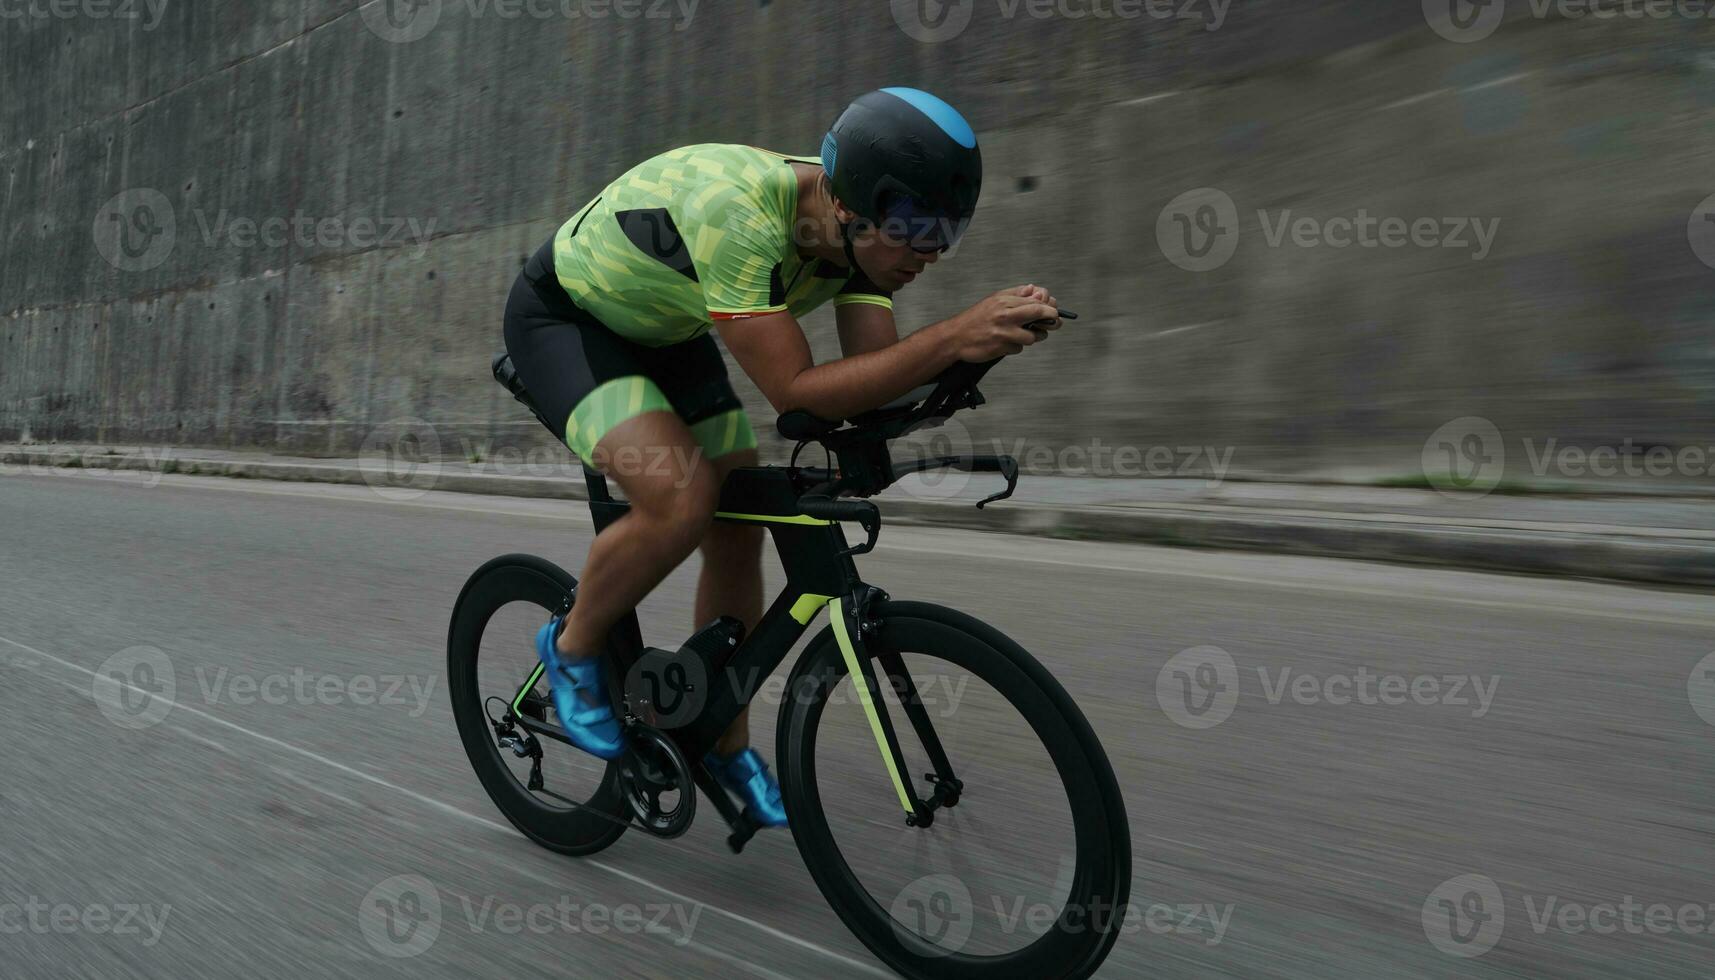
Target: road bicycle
x,y
946,888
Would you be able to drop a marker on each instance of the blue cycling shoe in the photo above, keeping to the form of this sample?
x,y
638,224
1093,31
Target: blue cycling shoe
x,y
587,719
746,776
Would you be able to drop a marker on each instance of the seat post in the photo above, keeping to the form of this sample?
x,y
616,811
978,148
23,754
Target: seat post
x,y
597,484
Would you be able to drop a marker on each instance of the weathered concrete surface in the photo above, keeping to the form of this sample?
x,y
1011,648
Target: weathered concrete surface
x,y
1588,320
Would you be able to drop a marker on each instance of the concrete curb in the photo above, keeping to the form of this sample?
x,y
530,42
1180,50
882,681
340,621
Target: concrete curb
x,y
1634,555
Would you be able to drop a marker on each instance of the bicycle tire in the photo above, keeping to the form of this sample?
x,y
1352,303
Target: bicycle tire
x,y
602,818
1103,841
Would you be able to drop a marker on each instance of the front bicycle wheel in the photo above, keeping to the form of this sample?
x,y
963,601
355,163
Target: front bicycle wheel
x,y
1026,874
560,797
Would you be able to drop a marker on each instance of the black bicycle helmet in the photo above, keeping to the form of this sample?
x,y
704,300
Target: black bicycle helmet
x,y
908,162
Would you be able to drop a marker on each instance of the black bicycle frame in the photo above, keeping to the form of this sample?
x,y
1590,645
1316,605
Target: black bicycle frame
x,y
819,572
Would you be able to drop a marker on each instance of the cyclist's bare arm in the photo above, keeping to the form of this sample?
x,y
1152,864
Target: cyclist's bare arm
x,y
772,349
865,327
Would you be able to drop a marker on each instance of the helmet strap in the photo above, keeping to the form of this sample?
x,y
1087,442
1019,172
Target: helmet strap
x,y
851,245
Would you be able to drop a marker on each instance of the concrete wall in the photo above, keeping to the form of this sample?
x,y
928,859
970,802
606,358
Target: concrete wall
x,y
1588,141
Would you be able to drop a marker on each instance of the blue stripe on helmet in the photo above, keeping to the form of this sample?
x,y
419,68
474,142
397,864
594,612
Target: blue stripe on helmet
x,y
830,153
943,115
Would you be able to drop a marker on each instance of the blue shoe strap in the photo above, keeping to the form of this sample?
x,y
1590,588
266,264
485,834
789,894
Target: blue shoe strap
x,y
585,675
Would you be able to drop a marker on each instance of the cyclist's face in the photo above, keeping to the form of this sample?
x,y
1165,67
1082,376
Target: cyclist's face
x,y
891,263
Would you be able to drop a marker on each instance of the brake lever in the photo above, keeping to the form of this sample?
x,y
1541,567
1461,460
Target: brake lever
x,y
1008,467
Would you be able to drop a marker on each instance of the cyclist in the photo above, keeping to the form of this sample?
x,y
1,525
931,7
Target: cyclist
x,y
609,323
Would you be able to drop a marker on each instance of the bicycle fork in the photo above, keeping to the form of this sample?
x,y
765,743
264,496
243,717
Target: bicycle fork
x,y
851,627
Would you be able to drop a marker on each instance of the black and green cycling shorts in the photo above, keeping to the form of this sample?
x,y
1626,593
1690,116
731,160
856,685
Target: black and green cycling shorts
x,y
585,379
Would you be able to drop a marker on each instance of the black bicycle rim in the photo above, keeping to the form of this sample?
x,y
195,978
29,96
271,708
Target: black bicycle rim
x,y
1103,851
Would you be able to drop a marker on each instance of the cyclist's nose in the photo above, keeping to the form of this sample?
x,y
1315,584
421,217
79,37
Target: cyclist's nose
x,y
930,258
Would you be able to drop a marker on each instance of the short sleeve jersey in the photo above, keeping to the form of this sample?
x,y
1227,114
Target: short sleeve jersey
x,y
695,235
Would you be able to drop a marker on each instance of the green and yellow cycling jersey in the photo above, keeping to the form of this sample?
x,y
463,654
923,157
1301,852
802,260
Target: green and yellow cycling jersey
x,y
695,235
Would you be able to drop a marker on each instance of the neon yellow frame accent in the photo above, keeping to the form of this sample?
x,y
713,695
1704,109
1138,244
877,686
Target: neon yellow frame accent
x,y
808,605
797,519
518,702
864,697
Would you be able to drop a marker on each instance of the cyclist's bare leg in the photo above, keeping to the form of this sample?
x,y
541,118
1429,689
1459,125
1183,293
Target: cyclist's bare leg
x,y
673,495
731,584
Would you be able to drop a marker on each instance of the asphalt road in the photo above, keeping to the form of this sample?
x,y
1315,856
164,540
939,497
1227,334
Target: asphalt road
x,y
1373,734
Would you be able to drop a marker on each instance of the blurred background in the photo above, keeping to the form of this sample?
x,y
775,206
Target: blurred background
x,y
279,224
1365,287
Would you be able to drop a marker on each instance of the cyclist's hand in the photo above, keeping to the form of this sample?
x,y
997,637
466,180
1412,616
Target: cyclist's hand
x,y
1005,323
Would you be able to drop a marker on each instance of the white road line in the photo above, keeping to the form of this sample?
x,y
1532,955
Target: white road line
x,y
454,811
1414,99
